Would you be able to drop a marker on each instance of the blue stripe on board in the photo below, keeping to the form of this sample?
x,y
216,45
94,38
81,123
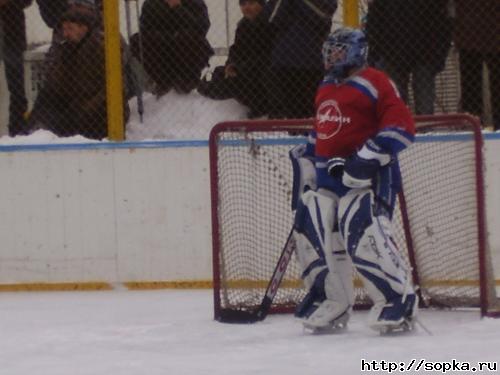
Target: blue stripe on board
x,y
204,143
103,145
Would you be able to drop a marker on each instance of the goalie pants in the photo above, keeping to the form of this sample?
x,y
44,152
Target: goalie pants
x,y
358,222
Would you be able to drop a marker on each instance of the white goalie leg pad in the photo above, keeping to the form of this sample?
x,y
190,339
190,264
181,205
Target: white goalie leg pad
x,y
334,312
304,173
313,273
309,260
384,272
322,210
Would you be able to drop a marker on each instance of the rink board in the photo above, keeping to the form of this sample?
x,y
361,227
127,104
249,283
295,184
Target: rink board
x,y
94,216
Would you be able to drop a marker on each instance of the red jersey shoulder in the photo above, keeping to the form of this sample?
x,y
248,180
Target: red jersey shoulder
x,y
379,79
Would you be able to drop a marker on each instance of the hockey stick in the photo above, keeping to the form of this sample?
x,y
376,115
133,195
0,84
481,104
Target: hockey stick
x,y
245,316
279,272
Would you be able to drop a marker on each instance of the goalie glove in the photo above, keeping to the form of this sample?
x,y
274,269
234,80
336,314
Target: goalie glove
x,y
361,168
359,172
335,167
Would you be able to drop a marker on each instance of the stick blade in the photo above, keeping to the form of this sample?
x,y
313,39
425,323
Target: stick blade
x,y
238,316
260,312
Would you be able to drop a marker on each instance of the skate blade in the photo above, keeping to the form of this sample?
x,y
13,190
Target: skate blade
x,y
406,327
338,326
330,330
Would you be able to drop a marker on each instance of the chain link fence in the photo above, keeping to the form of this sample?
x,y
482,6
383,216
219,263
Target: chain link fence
x,y
188,64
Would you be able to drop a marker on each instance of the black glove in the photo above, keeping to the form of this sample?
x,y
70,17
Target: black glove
x,y
359,172
335,167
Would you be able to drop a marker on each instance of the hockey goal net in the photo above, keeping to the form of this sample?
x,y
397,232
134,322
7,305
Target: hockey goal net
x,y
439,222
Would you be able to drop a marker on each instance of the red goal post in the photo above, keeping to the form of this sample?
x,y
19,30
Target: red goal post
x,y
439,222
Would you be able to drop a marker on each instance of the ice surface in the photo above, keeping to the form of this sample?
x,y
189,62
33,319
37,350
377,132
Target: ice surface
x,y
173,332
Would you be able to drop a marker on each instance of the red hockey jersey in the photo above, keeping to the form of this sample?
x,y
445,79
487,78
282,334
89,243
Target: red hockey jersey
x,y
366,105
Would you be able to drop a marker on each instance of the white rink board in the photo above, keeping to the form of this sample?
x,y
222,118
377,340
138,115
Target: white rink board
x,y
105,215
126,214
492,187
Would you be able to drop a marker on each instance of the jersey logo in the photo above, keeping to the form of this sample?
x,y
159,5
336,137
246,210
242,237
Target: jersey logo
x,y
329,119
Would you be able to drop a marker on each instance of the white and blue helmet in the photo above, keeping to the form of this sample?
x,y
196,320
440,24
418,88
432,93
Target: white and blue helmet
x,y
344,49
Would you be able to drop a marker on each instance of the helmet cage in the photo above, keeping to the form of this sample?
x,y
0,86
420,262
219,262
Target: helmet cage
x,y
344,50
334,54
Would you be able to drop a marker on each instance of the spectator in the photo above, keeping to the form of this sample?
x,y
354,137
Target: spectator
x,y
477,37
73,100
410,38
175,46
299,28
242,75
52,10
13,23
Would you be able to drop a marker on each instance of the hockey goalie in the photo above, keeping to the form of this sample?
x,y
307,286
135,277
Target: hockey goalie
x,y
346,181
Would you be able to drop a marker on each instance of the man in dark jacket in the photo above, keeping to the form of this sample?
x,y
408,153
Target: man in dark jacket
x,y
14,44
299,28
242,75
73,99
477,36
410,38
175,45
52,11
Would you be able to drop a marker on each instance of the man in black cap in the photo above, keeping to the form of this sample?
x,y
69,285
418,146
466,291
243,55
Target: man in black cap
x,y
175,46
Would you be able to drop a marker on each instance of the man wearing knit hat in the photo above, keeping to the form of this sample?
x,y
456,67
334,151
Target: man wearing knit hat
x,y
73,99
52,10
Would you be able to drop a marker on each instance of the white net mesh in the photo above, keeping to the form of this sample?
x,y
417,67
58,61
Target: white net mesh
x,y
253,180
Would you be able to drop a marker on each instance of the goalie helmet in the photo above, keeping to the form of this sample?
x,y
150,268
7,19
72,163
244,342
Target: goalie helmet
x,y
344,50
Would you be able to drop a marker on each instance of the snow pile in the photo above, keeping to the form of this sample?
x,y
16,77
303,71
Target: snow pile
x,y
172,117
42,137
176,116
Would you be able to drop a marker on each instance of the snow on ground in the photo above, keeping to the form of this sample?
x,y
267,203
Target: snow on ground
x,y
173,332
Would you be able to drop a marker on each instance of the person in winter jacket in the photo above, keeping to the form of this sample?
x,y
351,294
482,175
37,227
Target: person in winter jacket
x,y
174,40
477,37
242,75
73,98
299,28
13,24
410,38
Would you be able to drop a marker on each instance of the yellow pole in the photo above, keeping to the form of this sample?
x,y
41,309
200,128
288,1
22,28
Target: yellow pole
x,y
114,84
351,13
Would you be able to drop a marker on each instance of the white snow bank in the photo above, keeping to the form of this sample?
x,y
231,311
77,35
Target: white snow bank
x,y
173,117
176,116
